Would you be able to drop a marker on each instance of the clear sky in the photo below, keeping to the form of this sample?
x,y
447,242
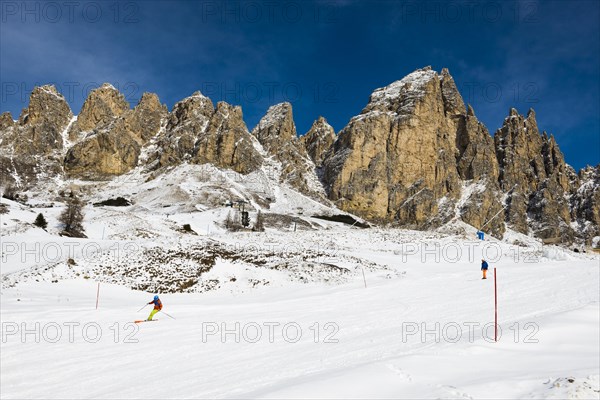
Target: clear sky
x,y
324,57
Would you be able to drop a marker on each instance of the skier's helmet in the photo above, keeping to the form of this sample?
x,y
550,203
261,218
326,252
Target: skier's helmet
x,y
156,297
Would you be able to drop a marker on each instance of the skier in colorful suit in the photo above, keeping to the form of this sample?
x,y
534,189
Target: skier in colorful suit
x,y
157,307
484,268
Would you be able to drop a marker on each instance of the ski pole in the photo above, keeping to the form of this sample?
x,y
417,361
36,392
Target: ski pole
x,y
168,315
142,308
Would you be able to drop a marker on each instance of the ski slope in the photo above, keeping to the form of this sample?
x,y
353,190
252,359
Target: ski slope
x,y
366,347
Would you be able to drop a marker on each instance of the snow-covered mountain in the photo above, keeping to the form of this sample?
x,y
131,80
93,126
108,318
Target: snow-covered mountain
x,y
321,303
409,159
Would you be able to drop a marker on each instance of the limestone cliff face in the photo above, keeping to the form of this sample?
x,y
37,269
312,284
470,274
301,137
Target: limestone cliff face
x,y
276,132
585,201
6,121
476,163
197,132
476,157
31,146
114,134
187,121
145,120
40,127
414,157
100,108
535,177
228,143
397,159
417,157
453,101
104,154
277,128
318,140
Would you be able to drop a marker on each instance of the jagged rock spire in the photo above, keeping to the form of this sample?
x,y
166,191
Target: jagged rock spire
x,y
318,140
415,156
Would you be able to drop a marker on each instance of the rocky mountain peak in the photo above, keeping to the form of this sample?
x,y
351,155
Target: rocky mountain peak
x,y
396,161
102,105
226,108
145,120
192,109
453,101
276,127
400,96
6,121
470,111
476,154
40,126
276,132
150,101
197,132
46,106
118,134
535,176
321,127
415,156
518,145
226,142
318,140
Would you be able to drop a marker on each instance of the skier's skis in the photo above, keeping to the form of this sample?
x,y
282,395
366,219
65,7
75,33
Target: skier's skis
x,y
144,320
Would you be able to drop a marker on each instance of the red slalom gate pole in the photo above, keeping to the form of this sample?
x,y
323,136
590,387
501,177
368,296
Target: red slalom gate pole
x,y
495,308
97,295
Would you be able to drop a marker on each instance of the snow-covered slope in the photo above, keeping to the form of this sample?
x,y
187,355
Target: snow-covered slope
x,y
410,327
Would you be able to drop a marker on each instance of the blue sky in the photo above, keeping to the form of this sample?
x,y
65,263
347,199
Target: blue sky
x,y
324,57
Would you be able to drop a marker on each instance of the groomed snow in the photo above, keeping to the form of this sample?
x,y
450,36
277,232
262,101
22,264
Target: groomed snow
x,y
371,358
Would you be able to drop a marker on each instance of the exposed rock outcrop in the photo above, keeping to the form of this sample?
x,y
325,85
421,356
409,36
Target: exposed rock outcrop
x,y
414,157
99,109
476,163
276,132
318,140
31,147
40,128
115,135
453,101
585,202
476,158
145,120
535,177
104,154
197,132
227,142
6,121
397,159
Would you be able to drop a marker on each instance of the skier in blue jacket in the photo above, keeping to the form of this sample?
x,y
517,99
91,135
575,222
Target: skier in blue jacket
x,y
157,307
484,268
